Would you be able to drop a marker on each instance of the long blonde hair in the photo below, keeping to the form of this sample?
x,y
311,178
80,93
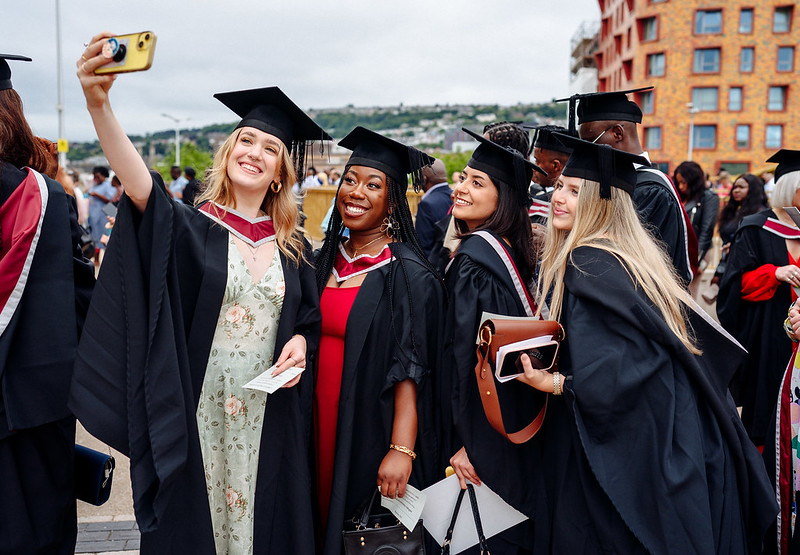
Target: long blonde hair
x,y
280,206
613,226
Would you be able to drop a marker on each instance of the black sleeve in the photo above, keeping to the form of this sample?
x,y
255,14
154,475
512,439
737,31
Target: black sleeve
x,y
83,269
744,255
660,213
309,317
708,220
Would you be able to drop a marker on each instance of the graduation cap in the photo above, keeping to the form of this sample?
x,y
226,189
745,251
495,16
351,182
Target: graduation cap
x,y
788,161
604,106
395,159
504,164
270,110
602,163
5,70
544,138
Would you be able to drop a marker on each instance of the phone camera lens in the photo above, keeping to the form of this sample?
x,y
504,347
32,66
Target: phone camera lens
x,y
147,36
141,44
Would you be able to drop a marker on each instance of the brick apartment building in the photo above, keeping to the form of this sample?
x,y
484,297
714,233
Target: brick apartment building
x,y
725,72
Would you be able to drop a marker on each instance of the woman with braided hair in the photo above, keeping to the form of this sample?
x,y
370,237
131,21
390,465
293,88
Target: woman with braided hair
x,y
381,301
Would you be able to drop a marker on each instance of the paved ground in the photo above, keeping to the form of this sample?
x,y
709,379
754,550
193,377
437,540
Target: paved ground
x,y
110,527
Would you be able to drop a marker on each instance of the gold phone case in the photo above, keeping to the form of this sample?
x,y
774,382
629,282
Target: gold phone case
x,y
138,51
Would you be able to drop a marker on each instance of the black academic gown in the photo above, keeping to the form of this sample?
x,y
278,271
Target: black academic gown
x,y
662,213
757,325
378,353
140,369
477,282
644,451
37,352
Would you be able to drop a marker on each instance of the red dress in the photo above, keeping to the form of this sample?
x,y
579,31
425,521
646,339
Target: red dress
x,y
335,306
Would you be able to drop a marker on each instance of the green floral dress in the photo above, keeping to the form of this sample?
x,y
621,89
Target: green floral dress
x,y
229,417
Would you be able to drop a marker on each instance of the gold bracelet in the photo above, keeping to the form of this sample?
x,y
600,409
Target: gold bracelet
x,y
404,450
556,383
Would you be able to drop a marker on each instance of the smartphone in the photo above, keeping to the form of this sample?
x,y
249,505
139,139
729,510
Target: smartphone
x,y
128,53
542,356
110,210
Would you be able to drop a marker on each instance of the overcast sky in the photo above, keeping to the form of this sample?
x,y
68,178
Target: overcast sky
x,y
322,53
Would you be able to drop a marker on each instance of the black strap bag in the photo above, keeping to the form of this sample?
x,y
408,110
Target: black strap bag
x,y
380,533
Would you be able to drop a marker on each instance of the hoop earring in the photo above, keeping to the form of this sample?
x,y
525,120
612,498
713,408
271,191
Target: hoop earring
x,y
276,186
389,226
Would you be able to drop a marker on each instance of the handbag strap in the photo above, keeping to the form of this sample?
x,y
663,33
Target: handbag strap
x,y
491,404
477,516
364,520
449,536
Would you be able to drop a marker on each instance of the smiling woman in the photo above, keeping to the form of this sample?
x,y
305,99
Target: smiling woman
x,y
227,292
381,302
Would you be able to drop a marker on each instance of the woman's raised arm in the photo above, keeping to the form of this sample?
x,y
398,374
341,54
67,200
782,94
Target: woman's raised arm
x,y
118,148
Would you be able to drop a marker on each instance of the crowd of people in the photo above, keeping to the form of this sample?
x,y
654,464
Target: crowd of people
x,y
208,284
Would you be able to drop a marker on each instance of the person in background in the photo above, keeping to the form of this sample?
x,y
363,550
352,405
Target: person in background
x,y
99,195
45,287
178,182
381,305
700,203
193,186
747,197
759,284
433,206
610,118
769,183
228,294
631,373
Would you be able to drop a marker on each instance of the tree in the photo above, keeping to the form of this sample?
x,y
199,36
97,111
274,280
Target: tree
x,y
453,161
200,160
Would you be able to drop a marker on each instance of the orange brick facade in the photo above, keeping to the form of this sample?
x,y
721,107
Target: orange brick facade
x,y
646,42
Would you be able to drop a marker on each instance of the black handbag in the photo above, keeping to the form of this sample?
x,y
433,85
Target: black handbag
x,y
484,547
93,473
380,533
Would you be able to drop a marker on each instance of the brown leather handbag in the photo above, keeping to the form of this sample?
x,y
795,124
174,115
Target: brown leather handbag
x,y
496,333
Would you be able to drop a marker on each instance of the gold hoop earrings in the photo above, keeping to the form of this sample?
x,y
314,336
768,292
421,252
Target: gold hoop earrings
x,y
276,186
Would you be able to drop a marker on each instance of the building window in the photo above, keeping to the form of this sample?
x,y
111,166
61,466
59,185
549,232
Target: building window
x,y
655,64
652,138
706,60
705,136
776,100
774,138
647,102
649,29
742,136
782,19
746,20
735,99
705,99
785,58
746,59
708,22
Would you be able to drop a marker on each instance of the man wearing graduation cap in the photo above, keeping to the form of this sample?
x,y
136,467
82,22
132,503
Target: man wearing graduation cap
x,y
610,118
45,285
760,282
175,333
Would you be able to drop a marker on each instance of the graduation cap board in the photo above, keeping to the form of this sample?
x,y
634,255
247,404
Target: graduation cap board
x,y
602,163
270,110
544,138
504,164
603,106
788,161
393,158
5,69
